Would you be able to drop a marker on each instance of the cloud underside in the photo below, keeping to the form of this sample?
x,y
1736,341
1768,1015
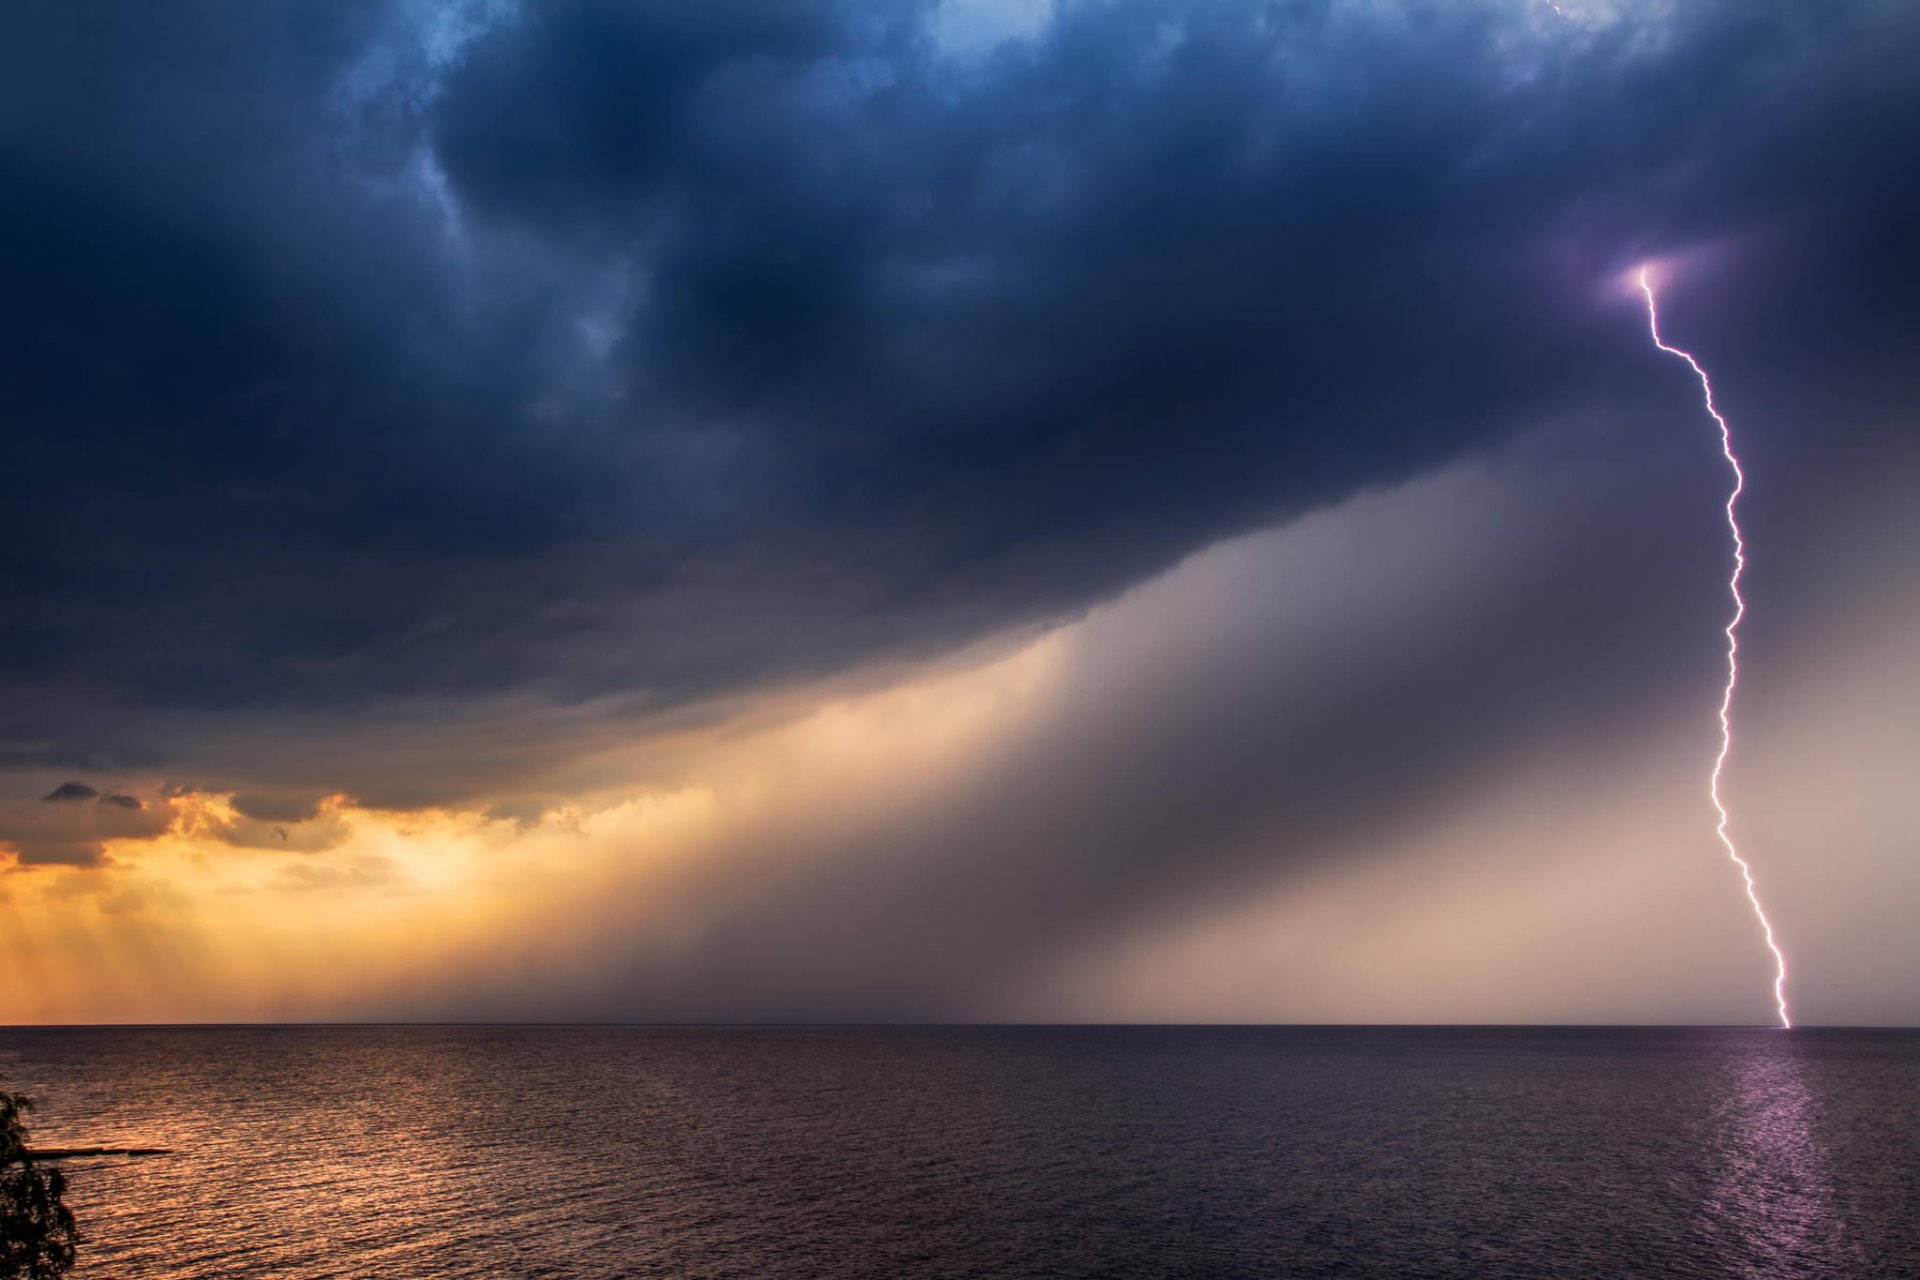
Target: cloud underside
x,y
601,360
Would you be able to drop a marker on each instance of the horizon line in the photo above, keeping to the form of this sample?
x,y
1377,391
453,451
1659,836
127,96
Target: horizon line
x,y
814,1024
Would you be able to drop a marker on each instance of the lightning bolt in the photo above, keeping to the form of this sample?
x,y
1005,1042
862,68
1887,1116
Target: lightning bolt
x,y
1733,650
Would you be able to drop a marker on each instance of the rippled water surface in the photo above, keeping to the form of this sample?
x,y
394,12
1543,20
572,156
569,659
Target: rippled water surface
x,y
603,1152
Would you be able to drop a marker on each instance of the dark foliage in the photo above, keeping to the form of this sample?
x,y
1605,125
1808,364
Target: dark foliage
x,y
37,1233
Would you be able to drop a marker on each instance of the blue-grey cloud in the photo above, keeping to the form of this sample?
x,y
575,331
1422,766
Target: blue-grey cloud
x,y
652,352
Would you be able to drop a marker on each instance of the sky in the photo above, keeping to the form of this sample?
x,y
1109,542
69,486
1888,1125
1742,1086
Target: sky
x,y
895,510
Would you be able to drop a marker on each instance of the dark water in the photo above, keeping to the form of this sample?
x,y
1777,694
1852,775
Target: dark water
x,y
595,1152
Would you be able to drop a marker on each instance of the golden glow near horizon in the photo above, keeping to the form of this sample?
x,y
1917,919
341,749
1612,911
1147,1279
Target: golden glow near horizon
x,y
227,918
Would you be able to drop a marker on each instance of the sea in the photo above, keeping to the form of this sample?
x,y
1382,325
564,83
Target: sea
x,y
507,1151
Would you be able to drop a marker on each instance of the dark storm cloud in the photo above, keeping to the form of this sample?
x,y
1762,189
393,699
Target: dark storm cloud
x,y
69,825
657,351
276,808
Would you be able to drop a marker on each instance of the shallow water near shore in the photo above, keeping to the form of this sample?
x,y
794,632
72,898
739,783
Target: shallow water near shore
x,y
434,1152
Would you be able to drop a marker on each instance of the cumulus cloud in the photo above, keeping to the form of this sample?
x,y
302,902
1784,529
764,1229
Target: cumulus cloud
x,y
73,824
70,825
277,807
